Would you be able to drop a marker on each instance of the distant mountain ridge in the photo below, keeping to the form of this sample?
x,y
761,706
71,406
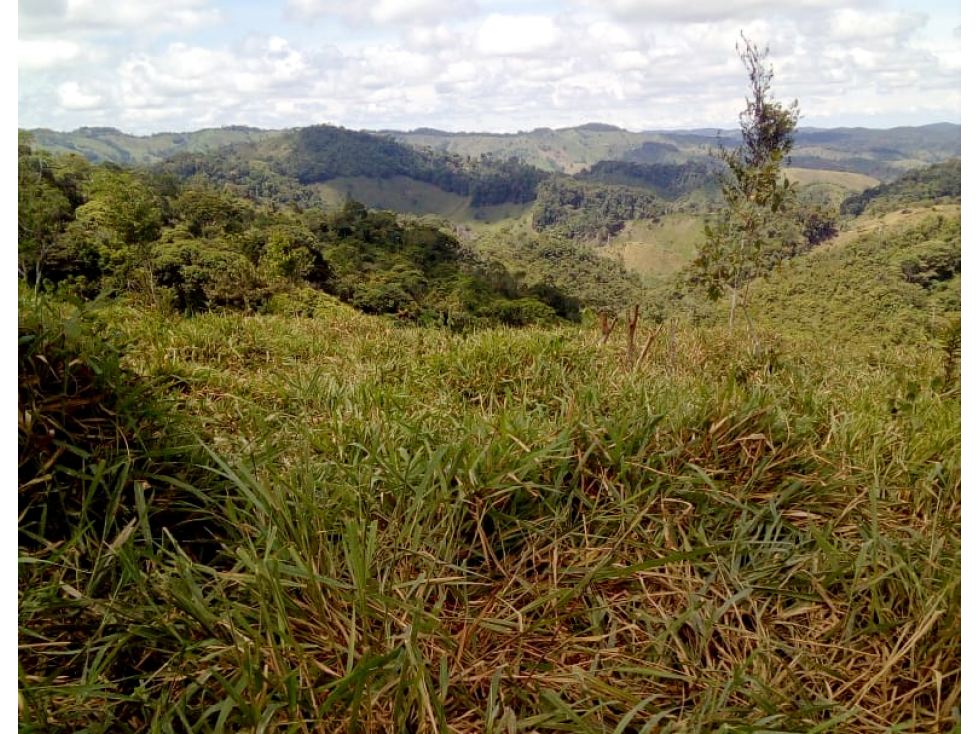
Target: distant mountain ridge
x,y
883,154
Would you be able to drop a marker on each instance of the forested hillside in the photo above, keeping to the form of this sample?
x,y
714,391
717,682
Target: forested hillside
x,y
194,246
883,154
937,184
905,280
617,205
108,144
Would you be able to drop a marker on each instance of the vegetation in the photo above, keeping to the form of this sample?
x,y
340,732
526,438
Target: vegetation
x,y
905,280
939,183
192,247
667,181
107,144
598,281
751,232
323,152
409,530
581,211
882,154
298,467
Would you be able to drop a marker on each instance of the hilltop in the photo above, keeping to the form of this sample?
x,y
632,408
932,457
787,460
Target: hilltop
x,y
883,154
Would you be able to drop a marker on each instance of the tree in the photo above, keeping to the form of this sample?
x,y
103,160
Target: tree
x,y
43,209
755,228
122,218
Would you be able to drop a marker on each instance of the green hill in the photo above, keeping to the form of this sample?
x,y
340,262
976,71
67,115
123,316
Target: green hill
x,y
613,221
882,154
938,183
109,144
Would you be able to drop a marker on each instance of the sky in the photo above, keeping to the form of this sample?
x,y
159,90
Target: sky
x,y
479,65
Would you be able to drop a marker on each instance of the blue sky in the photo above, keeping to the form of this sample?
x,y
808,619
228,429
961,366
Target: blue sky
x,y
179,65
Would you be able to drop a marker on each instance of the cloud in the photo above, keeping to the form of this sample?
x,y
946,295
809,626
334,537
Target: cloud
x,y
611,61
849,25
73,98
382,12
87,18
684,11
516,35
41,55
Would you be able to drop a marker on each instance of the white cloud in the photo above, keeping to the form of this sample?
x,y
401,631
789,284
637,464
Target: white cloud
x,y
672,11
613,35
382,12
516,35
849,25
49,54
73,98
618,62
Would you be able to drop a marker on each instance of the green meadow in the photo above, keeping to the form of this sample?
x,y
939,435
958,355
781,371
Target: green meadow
x,y
325,521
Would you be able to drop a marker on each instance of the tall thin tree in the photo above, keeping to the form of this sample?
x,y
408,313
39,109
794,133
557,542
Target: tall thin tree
x,y
749,232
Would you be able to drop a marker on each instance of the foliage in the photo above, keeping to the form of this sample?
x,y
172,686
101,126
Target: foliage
x,y
239,171
119,220
109,145
668,181
190,247
933,261
207,213
938,183
48,190
194,275
323,152
586,211
547,263
884,154
310,303
817,224
752,231
897,286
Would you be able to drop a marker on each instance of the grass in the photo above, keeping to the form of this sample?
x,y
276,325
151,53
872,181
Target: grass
x,y
895,220
850,182
660,249
406,530
403,194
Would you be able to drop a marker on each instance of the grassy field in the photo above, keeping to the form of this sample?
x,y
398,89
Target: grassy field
x,y
318,524
869,224
403,194
849,181
659,249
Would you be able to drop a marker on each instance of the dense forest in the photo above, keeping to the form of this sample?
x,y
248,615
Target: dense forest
x,y
192,246
936,184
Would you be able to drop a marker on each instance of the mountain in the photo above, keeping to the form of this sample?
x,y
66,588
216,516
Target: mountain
x,y
109,144
641,197
882,154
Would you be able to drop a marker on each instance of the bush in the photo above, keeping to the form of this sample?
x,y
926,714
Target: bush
x,y
307,302
524,312
202,275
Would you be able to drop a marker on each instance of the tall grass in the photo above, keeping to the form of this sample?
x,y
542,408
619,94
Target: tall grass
x,y
499,532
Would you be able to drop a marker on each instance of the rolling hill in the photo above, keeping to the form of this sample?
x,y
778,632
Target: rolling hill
x,y
882,154
640,197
